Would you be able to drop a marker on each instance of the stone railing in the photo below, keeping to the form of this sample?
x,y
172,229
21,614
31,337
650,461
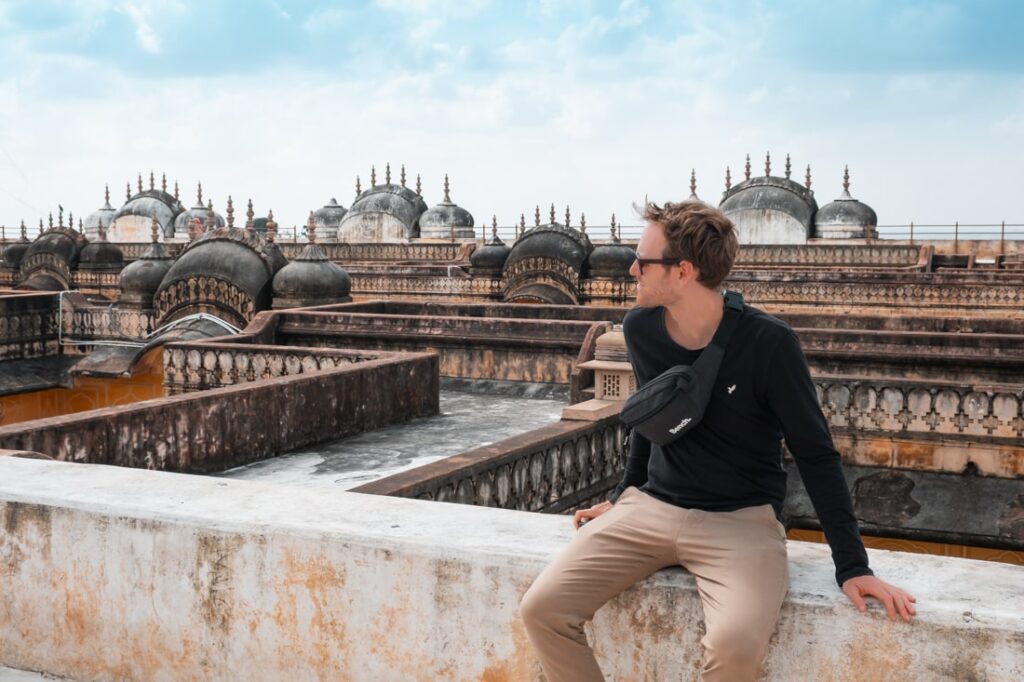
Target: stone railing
x,y
834,255
551,469
28,325
346,252
198,366
225,427
86,322
205,578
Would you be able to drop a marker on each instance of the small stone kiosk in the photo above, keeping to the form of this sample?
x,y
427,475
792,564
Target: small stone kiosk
x,y
614,380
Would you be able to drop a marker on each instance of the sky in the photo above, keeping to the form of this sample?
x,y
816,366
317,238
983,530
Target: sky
x,y
595,105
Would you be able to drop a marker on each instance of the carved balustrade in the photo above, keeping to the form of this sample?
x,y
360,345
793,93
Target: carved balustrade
x,y
103,323
28,326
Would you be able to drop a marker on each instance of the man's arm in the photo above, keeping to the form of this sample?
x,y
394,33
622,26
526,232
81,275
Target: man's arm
x,y
636,465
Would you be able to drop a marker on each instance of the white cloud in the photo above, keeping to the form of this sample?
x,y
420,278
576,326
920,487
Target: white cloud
x,y
139,13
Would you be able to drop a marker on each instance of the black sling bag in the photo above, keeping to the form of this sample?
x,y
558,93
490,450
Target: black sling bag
x,y
673,402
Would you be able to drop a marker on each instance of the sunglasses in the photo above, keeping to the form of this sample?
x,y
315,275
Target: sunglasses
x,y
641,262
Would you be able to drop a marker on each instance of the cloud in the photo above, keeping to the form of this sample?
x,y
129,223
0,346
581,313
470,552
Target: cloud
x,y
139,13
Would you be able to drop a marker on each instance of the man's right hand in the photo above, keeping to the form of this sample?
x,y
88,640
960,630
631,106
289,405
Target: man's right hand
x,y
590,514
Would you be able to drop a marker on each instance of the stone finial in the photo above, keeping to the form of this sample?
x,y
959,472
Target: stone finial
x,y
176,192
789,168
552,214
231,213
199,194
846,179
195,228
51,220
154,230
163,182
106,196
583,223
387,173
373,176
567,216
250,225
419,186
494,227
211,222
767,164
71,220
536,216
746,168
60,215
402,176
128,191
614,230
807,178
40,226
271,227
24,232
81,228
152,181
140,183
311,229
447,196
693,184
522,225
359,187
728,179
102,229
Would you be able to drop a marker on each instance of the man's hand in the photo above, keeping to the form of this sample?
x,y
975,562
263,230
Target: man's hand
x,y
590,514
895,599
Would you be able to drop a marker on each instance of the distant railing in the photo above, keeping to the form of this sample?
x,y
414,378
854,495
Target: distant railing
x,y
956,231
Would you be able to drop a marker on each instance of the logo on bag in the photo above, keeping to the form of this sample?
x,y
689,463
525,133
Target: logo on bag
x,y
680,425
731,389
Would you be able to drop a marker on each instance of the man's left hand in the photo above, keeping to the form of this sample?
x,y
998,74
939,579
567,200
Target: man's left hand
x,y
895,599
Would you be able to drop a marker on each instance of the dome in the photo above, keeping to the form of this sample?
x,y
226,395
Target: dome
x,y
226,272
770,210
383,213
611,260
141,278
102,217
101,254
311,279
14,253
131,222
489,259
182,220
846,217
328,218
62,243
447,220
545,264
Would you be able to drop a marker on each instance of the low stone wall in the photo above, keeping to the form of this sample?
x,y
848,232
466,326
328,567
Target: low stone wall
x,y
551,469
873,255
226,427
28,326
199,578
85,321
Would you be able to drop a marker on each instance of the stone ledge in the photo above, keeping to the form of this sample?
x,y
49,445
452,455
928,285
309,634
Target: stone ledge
x,y
206,578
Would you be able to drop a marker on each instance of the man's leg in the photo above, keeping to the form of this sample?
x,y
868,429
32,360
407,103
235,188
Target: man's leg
x,y
739,562
617,549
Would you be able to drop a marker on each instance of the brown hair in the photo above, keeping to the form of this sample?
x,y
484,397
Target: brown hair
x,y
697,233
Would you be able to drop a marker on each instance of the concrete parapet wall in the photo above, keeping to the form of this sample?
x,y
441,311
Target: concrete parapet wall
x,y
224,427
119,574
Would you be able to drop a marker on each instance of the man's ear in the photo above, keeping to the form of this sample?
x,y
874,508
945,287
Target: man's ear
x,y
687,272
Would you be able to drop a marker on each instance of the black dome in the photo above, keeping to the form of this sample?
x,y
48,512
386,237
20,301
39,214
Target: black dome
x,y
310,279
492,256
611,260
101,254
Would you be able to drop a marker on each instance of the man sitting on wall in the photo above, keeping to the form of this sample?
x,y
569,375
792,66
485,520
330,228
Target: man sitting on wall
x,y
711,500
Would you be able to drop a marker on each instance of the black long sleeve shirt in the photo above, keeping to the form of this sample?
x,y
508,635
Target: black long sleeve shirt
x,y
733,457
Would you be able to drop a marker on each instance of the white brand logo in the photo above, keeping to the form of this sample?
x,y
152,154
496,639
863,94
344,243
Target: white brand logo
x,y
680,425
731,389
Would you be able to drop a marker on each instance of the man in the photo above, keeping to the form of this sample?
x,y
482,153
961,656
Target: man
x,y
710,500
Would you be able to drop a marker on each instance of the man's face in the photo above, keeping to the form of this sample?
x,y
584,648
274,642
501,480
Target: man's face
x,y
658,284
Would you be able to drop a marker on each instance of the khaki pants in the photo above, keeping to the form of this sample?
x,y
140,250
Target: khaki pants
x,y
737,558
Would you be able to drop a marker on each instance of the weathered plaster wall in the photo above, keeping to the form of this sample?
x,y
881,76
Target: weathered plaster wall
x,y
110,573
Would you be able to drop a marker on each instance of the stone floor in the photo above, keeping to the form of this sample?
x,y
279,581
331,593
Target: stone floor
x,y
471,416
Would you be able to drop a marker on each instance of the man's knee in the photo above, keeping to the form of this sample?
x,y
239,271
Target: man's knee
x,y
541,610
738,649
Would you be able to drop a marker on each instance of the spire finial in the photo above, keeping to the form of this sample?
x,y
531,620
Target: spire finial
x,y
40,226
195,228
447,197
211,222
106,196
71,220
536,216
128,191
419,186
154,230
199,193
24,232
567,216
231,213
102,229
51,220
807,178
81,228
359,188
373,176
767,164
728,179
402,177
789,167
846,179
176,192
152,181
614,230
163,182
387,173
271,227
583,223
249,214
60,215
311,228
522,224
140,183
746,168
494,228
552,214
693,184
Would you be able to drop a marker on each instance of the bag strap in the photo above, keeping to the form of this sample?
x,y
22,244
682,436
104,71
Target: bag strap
x,y
710,358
